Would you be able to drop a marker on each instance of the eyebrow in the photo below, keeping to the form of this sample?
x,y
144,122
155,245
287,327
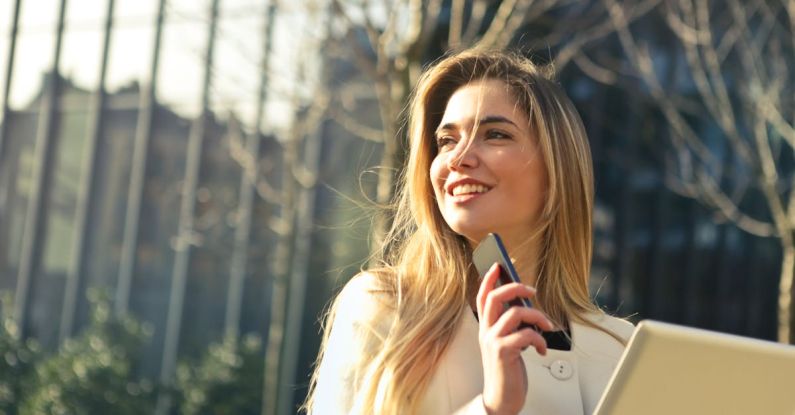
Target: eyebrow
x,y
489,119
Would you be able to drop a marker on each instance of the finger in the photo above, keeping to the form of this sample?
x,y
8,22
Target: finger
x,y
486,285
496,299
524,338
508,292
510,320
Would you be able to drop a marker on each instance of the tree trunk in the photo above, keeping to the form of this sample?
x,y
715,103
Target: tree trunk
x,y
385,189
390,158
785,318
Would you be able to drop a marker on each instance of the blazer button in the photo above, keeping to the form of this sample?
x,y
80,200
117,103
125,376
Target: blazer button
x,y
561,369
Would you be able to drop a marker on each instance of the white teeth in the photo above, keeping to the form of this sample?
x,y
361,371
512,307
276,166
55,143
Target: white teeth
x,y
469,188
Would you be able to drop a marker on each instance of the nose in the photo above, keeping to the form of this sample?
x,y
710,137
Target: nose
x,y
464,156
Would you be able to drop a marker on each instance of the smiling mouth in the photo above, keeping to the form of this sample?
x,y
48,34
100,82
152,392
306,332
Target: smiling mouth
x,y
469,189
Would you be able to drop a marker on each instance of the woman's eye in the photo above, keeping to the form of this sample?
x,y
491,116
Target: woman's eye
x,y
444,142
495,134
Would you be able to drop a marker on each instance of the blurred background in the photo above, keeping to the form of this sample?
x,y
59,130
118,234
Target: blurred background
x,y
185,184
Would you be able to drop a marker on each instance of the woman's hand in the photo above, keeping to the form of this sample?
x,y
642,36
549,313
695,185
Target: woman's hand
x,y
501,344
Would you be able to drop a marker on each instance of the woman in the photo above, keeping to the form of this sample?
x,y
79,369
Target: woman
x,y
495,146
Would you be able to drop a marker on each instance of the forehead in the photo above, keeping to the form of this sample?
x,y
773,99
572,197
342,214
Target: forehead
x,y
479,98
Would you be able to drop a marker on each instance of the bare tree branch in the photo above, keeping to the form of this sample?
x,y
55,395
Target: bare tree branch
x,y
266,191
247,161
709,81
390,29
416,26
415,49
594,71
521,14
683,136
361,58
376,40
365,132
456,24
598,31
729,208
498,24
475,22
770,179
640,57
736,61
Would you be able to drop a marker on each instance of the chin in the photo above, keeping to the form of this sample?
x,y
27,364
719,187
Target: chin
x,y
472,233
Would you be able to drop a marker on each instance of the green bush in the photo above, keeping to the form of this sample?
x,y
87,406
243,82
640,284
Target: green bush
x,y
17,360
227,380
93,373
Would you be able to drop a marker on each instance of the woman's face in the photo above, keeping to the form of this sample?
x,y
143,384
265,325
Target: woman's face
x,y
493,178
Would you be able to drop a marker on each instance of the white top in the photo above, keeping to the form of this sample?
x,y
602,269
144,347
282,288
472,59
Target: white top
x,y
562,382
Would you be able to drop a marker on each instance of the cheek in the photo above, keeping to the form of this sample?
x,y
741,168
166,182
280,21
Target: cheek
x,y
535,184
438,175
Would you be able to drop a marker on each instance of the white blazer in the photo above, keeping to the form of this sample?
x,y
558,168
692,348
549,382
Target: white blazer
x,y
562,382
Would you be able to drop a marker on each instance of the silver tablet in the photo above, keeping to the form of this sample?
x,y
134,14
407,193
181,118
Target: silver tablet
x,y
670,369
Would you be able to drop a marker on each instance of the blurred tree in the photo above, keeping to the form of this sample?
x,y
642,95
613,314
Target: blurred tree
x,y
726,92
93,373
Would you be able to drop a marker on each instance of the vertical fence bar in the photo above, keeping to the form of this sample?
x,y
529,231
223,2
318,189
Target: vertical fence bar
x,y
143,135
280,264
35,220
185,230
298,279
79,262
248,181
5,173
9,71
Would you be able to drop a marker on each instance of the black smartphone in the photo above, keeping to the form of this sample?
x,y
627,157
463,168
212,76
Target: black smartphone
x,y
491,250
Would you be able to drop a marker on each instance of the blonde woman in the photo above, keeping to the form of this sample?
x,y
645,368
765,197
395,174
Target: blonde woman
x,y
495,146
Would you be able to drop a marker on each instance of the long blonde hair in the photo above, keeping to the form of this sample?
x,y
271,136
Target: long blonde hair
x,y
427,275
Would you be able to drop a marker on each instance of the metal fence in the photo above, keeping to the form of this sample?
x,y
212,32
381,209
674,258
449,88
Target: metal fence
x,y
71,152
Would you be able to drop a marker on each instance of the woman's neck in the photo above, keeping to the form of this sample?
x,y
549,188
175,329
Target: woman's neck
x,y
526,259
